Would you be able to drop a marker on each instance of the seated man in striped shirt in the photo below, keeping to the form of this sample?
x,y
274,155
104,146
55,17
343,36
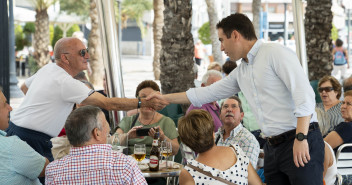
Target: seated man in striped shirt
x,y
232,131
91,160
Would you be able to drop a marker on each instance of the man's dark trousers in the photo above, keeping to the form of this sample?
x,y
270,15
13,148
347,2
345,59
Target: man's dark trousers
x,y
279,167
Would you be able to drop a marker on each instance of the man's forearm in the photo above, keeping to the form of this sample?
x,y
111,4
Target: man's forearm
x,y
303,124
177,98
123,104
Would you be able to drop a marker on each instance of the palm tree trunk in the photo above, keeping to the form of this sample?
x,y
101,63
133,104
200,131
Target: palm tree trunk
x,y
41,37
256,5
213,20
158,33
95,51
318,24
176,58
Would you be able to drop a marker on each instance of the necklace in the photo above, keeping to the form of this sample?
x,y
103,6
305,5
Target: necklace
x,y
149,121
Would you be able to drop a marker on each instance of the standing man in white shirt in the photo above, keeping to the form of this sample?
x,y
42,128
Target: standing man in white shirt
x,y
280,96
52,92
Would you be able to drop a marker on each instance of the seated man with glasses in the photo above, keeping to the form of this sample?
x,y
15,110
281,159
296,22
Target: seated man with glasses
x,y
91,160
52,92
329,110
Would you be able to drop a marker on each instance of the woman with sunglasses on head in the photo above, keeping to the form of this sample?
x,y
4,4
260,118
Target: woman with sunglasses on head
x,y
328,112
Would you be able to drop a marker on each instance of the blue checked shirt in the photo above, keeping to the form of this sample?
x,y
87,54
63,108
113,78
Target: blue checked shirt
x,y
20,164
242,137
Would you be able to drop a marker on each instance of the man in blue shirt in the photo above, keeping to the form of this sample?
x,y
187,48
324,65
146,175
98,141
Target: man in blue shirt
x,y
20,164
280,96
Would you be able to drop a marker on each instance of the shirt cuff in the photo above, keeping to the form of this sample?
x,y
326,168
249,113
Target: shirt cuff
x,y
192,97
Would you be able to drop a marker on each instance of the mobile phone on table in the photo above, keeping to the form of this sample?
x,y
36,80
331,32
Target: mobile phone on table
x,y
142,131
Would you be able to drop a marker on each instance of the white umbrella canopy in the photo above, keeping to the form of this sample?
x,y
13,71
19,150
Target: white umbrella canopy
x,y
23,14
28,15
62,19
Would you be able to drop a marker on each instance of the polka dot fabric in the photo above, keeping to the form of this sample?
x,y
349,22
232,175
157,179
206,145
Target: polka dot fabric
x,y
237,174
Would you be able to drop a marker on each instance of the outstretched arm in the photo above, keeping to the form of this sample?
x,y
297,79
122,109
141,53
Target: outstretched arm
x,y
177,98
99,100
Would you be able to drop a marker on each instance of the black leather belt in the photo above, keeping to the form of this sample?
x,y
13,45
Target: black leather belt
x,y
289,135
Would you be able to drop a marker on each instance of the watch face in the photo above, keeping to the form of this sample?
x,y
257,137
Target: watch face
x,y
300,136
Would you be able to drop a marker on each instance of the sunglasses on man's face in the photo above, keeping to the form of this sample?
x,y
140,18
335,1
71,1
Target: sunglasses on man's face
x,y
326,89
83,52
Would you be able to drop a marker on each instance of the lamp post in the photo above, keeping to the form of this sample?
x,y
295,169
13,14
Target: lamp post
x,y
348,6
298,23
15,92
119,25
4,50
111,51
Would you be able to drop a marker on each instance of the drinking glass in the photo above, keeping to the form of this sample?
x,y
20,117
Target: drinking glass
x,y
119,142
166,150
139,152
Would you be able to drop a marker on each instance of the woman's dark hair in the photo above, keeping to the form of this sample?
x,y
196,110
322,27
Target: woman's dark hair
x,y
146,84
228,67
196,130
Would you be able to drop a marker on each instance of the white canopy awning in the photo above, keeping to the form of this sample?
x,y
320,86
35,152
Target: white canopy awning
x,y
27,15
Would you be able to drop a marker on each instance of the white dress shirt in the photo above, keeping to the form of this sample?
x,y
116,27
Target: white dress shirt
x,y
274,84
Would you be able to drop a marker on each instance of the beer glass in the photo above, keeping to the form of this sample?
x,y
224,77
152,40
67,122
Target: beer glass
x,y
166,150
139,152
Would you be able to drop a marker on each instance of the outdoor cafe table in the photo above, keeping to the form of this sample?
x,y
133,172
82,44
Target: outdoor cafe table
x,y
171,172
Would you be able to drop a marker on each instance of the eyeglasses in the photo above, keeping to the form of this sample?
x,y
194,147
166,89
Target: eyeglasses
x,y
83,52
326,89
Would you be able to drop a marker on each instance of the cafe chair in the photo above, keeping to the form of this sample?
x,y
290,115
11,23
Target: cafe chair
x,y
344,164
338,179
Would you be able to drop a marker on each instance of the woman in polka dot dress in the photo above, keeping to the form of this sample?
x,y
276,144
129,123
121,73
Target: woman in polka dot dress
x,y
215,164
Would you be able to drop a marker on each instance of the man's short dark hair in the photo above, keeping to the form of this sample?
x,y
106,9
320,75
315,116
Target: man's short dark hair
x,y
80,124
228,67
234,98
238,22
